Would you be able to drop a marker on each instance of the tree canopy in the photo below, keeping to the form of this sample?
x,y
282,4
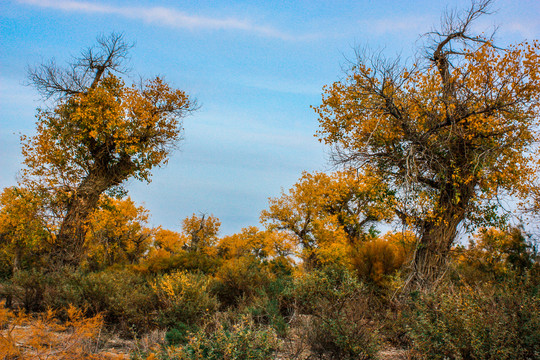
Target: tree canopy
x,y
98,133
450,134
327,212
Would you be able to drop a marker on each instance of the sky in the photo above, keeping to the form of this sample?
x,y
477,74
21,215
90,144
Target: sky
x,y
255,67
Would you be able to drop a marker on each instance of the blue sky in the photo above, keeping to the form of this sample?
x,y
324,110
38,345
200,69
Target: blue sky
x,y
254,66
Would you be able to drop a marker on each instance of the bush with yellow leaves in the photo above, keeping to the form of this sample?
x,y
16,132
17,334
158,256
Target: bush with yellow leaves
x,y
45,337
377,259
184,298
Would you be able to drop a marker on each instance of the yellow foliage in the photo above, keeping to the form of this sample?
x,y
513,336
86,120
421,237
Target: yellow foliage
x,y
449,136
377,258
184,297
23,229
45,337
117,233
411,130
169,241
123,122
252,241
201,232
326,212
99,133
498,252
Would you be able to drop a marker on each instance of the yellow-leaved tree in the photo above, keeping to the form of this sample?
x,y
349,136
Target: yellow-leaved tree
x,y
24,232
167,242
117,233
449,134
251,241
98,133
326,213
201,232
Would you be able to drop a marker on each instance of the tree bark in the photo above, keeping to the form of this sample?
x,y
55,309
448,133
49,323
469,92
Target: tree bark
x,y
432,253
70,242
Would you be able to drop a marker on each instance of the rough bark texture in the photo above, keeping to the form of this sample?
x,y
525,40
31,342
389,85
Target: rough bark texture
x,y
437,237
70,241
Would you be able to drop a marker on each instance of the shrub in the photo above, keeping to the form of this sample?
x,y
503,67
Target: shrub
x,y
26,289
44,337
239,278
270,311
225,341
338,306
488,321
179,334
376,260
272,305
124,297
184,298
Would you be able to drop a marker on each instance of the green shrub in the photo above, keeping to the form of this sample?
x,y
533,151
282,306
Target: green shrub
x,y
184,298
179,334
124,298
339,312
27,289
488,321
223,341
268,311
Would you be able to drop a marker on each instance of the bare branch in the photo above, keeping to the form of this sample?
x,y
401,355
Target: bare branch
x,y
85,72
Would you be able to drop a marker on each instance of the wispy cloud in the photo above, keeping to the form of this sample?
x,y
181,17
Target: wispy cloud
x,y
168,17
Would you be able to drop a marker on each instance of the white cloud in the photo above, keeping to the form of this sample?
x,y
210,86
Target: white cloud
x,y
166,17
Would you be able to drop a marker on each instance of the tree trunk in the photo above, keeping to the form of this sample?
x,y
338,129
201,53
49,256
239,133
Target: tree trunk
x,y
432,253
17,259
437,237
69,246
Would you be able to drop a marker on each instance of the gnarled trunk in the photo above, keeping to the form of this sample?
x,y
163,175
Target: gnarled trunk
x,y
432,253
69,245
70,242
437,237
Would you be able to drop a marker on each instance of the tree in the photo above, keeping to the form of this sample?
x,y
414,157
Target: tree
x,y
117,233
98,133
263,245
497,252
450,134
201,232
23,230
167,242
327,212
